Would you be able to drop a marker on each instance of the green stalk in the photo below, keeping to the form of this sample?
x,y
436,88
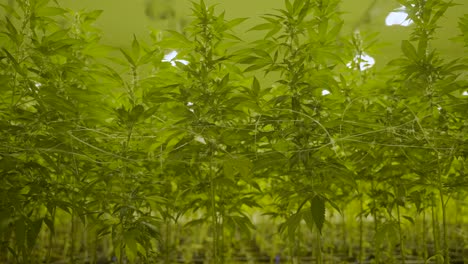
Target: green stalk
x,y
133,86
167,244
361,231
460,222
51,235
213,215
73,216
122,244
4,247
435,229
319,247
94,247
298,244
72,237
85,238
331,250
221,231
346,243
402,241
424,238
376,225
124,216
444,228
291,253
376,228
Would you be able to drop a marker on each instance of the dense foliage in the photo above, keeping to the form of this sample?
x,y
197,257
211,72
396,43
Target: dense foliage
x,y
290,141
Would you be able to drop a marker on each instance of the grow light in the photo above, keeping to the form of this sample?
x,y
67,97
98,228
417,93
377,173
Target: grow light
x,y
398,17
170,57
364,61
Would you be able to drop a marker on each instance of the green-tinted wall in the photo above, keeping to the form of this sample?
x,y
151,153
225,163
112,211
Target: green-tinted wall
x,y
123,18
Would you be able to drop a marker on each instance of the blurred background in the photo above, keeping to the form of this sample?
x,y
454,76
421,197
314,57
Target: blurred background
x,y
123,18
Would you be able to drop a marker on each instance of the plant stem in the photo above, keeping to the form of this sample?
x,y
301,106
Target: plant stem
x,y
343,233
424,238
444,228
402,241
167,243
213,215
72,237
291,253
297,243
319,247
51,236
361,231
435,229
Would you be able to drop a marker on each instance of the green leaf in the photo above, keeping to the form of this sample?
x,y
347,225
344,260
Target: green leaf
x,y
91,16
263,26
135,47
225,81
409,219
388,231
256,86
11,10
434,257
20,232
291,224
409,50
234,22
243,223
228,168
289,6
136,113
131,245
14,62
179,37
334,205
439,13
128,57
50,224
195,222
308,218
13,33
244,166
256,66
33,232
318,211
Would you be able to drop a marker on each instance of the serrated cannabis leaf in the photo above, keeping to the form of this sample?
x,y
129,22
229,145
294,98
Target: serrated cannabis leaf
x,y
317,207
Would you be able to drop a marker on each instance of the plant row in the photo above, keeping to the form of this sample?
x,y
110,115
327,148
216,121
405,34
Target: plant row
x,y
137,156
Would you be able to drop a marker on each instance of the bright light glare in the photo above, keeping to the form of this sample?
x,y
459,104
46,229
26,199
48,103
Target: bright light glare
x,y
170,57
37,84
200,139
325,92
184,62
465,93
398,17
190,109
365,62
